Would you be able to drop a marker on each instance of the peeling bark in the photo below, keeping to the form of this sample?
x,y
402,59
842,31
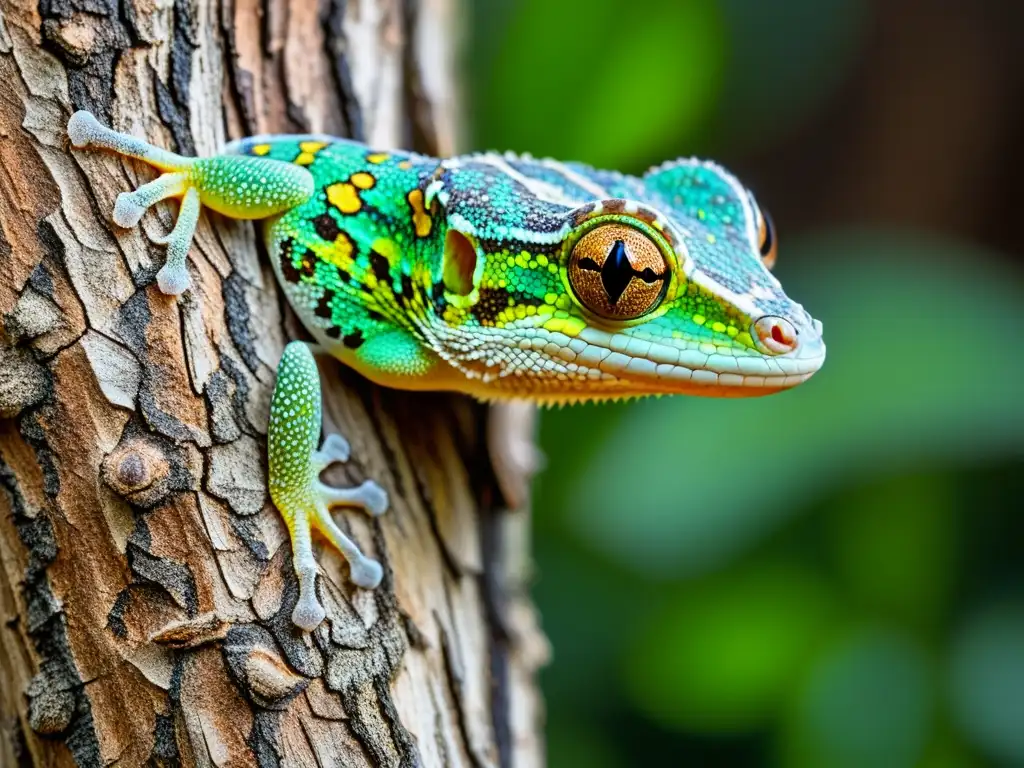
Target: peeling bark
x,y
146,583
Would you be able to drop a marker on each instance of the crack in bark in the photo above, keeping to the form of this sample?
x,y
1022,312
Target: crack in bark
x,y
49,634
335,45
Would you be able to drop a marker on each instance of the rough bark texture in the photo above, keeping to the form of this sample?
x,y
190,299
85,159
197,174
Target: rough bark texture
x,y
146,582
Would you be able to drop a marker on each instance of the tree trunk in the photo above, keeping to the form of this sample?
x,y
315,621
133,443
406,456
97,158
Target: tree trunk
x,y
146,584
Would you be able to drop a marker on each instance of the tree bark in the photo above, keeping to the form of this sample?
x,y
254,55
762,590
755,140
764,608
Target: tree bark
x,y
146,584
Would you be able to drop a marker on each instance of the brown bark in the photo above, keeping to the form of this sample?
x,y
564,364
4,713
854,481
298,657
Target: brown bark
x,y
146,581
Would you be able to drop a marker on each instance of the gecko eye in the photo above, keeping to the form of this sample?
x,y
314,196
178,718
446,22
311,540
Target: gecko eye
x,y
618,272
769,246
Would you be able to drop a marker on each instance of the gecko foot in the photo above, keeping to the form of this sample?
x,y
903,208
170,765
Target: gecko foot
x,y
238,186
303,500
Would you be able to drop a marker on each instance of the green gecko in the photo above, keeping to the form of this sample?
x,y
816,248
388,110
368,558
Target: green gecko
x,y
500,276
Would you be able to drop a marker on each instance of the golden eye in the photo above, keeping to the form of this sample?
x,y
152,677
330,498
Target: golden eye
x,y
769,245
618,272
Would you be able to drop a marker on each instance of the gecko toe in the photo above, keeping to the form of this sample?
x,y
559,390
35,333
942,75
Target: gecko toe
x,y
375,498
366,573
173,279
308,614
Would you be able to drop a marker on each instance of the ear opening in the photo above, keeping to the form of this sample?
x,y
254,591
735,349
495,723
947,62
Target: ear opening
x,y
459,266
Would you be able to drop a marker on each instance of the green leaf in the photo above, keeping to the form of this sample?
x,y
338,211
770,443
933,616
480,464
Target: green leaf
x,y
987,675
722,657
896,544
868,701
581,80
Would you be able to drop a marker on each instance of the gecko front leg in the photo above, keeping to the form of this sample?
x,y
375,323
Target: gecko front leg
x,y
295,486
236,186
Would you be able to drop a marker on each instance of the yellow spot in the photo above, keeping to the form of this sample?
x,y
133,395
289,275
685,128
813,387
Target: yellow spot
x,y
701,214
405,165
732,331
421,220
261,149
570,326
520,312
712,239
718,327
312,147
511,261
377,157
363,180
699,319
744,338
344,197
545,310
388,249
542,259
340,252
305,158
552,268
564,302
550,298
573,326
522,260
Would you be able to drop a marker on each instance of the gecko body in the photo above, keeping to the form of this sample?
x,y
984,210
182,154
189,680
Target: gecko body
x,y
500,276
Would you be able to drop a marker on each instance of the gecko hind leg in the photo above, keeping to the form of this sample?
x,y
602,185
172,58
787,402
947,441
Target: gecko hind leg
x,y
295,486
238,186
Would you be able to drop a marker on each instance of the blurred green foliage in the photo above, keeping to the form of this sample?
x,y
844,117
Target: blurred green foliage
x,y
826,577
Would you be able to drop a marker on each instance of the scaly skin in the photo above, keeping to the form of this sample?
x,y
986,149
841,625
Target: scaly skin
x,y
497,276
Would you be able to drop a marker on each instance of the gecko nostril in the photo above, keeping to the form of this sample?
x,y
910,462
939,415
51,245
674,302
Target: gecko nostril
x,y
775,335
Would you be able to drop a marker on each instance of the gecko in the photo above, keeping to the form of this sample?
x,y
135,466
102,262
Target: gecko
x,y
496,275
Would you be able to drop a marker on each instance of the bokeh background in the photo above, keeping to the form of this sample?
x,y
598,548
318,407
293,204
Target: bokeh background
x,y
832,576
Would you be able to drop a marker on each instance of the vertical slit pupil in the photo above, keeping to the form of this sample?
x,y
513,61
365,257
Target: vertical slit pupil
x,y
616,272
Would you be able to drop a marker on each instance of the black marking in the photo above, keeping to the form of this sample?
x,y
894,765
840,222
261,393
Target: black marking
x,y
380,266
491,302
438,299
288,270
323,307
374,315
344,276
407,289
334,332
326,227
353,340
308,264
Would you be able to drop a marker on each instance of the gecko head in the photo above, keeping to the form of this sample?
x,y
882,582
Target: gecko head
x,y
667,290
